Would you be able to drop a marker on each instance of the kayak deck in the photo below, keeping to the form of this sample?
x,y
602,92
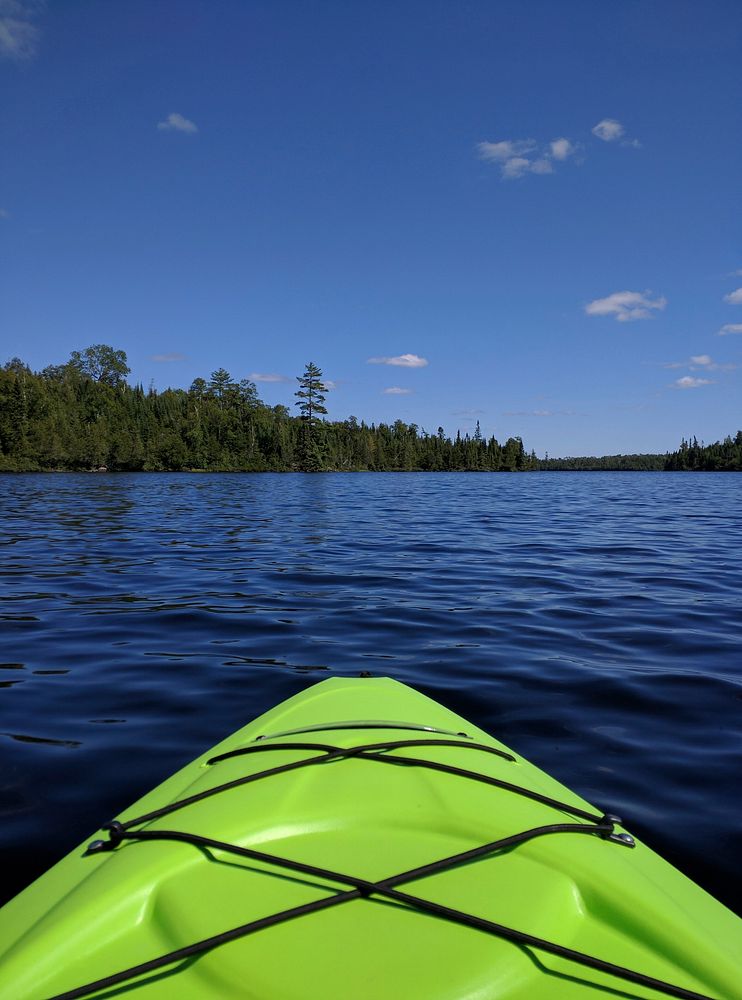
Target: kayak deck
x,y
346,851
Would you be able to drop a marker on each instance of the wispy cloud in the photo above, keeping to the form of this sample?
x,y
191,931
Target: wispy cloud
x,y
562,149
701,362
734,298
401,360
18,34
267,377
517,157
177,123
506,149
730,328
329,384
396,390
4,213
704,362
470,413
165,358
539,413
610,130
626,306
689,382
519,165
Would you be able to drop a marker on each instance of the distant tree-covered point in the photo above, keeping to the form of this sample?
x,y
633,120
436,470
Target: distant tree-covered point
x,y
84,415
721,456
605,463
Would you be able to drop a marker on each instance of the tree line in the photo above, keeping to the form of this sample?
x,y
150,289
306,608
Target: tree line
x,y
84,415
721,456
605,463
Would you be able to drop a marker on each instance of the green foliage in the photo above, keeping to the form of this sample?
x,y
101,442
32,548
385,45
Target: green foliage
x,y
84,415
79,417
604,463
722,456
311,393
100,363
311,400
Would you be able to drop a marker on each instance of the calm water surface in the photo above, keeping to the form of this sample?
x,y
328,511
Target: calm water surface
x,y
592,621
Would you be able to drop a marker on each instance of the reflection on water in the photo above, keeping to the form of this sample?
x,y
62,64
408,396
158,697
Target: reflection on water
x,y
592,621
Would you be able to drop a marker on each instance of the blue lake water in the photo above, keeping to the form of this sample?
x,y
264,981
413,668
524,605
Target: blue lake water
x,y
593,621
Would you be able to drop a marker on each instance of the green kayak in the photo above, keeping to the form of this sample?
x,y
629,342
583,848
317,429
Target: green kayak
x,y
361,841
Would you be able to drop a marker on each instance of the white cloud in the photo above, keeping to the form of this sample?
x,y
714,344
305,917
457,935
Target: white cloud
x,y
704,362
500,152
734,298
164,358
539,413
542,166
329,384
516,167
517,157
730,328
688,382
269,377
625,306
18,35
177,123
562,149
609,130
4,213
700,362
395,390
402,360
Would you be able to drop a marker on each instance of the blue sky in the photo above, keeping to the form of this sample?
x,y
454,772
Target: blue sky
x,y
526,212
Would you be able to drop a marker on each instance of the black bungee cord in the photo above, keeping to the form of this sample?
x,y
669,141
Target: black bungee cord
x,y
596,825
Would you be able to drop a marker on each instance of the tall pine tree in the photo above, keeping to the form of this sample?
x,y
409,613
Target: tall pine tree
x,y
311,399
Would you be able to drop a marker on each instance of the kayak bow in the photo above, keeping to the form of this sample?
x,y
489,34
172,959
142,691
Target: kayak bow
x,y
360,840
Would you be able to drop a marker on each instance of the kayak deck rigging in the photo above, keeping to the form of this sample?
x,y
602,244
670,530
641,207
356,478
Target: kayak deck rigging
x,y
603,826
458,870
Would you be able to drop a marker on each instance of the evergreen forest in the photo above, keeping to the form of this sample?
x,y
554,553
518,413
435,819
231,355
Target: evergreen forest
x,y
721,456
84,415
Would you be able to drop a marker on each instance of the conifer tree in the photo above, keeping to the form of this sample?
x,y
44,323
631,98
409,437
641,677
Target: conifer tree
x,y
311,399
220,384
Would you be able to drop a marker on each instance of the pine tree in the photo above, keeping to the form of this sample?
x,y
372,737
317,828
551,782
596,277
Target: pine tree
x,y
311,398
220,384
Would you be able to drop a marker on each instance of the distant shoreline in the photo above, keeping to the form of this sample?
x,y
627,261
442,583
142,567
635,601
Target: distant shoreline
x,y
330,472
84,417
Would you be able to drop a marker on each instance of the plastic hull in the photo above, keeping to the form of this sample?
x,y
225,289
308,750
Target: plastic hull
x,y
95,914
